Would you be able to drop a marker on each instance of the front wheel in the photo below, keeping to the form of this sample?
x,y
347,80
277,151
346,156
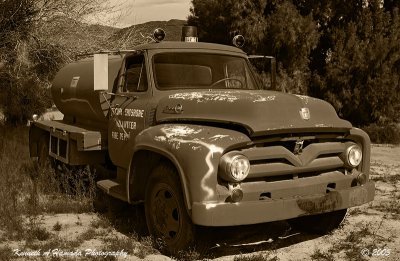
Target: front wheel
x,y
321,223
166,216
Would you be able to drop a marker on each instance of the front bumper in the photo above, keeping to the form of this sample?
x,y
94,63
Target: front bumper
x,y
253,212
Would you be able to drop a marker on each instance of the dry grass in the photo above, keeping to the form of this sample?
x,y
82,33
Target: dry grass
x,y
29,193
16,187
257,257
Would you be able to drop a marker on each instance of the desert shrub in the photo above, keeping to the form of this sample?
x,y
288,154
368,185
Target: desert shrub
x,y
325,256
63,190
256,257
27,191
388,133
14,185
6,253
37,232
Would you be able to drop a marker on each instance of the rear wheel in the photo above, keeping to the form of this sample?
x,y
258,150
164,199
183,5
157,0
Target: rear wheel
x,y
166,216
321,223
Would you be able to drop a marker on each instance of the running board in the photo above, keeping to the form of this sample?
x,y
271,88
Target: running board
x,y
113,189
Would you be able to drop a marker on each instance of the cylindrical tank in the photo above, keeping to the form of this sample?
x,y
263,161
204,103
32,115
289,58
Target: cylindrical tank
x,y
73,90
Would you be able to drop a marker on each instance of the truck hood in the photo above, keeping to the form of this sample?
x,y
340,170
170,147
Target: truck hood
x,y
260,112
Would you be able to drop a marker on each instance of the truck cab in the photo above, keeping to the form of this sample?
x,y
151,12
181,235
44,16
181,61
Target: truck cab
x,y
192,134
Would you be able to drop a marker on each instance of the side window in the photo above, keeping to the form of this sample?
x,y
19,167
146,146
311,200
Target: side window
x,y
135,78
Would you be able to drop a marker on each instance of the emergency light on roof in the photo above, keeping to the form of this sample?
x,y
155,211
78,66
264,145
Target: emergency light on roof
x,y
238,40
159,35
189,34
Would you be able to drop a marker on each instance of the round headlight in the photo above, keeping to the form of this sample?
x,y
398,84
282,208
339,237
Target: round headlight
x,y
354,155
235,167
239,167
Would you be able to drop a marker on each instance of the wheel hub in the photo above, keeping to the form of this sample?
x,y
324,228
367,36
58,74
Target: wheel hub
x,y
166,213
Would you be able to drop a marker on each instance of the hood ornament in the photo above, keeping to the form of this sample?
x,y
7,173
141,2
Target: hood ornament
x,y
298,148
305,113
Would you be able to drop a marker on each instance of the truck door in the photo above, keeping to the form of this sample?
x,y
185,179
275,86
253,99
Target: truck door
x,y
128,109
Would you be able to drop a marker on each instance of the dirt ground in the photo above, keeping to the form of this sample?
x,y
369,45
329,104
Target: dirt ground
x,y
370,232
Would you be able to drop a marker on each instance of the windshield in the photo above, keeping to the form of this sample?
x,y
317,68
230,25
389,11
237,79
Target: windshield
x,y
202,71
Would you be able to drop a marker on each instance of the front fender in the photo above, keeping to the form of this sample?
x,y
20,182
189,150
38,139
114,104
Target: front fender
x,y
362,138
195,151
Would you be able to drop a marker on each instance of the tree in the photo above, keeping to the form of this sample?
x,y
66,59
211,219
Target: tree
x,y
360,71
271,27
34,44
213,19
344,51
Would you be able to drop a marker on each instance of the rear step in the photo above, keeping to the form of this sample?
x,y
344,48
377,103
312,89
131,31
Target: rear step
x,y
113,189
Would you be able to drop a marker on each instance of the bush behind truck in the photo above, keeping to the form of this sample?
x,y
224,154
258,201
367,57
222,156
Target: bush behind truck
x,y
186,128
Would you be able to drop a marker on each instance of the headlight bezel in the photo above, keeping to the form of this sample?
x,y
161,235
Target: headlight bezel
x,y
234,167
353,156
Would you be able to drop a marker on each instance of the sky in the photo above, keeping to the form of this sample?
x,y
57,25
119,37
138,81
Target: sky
x,y
141,11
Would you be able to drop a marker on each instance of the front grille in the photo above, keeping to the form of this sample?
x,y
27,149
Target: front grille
x,y
280,161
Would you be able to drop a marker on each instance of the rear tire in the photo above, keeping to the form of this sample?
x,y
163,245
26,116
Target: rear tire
x,y
321,223
166,215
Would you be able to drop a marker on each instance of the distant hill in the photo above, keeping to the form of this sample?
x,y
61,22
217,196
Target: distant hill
x,y
140,33
172,28
76,37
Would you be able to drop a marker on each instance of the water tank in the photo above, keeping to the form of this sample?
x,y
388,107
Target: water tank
x,y
73,91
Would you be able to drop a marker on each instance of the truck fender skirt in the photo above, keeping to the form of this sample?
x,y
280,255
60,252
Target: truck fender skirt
x,y
195,151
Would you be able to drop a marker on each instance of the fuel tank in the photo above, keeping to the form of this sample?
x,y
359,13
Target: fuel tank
x,y
74,95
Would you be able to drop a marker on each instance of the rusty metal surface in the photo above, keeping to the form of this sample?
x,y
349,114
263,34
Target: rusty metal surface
x,y
293,142
73,91
362,138
195,150
87,139
227,214
278,160
260,112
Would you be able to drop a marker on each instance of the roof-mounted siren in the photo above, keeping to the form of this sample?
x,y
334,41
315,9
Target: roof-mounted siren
x,y
159,35
189,34
238,41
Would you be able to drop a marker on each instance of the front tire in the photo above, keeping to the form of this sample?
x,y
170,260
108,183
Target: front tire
x,y
321,223
166,215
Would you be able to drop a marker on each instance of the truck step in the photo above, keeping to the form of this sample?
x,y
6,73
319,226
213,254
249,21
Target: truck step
x,y
113,189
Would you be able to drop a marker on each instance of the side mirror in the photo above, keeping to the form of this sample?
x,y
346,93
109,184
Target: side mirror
x,y
100,72
267,65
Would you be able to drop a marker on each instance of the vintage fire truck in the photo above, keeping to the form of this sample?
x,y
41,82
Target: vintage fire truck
x,y
186,129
